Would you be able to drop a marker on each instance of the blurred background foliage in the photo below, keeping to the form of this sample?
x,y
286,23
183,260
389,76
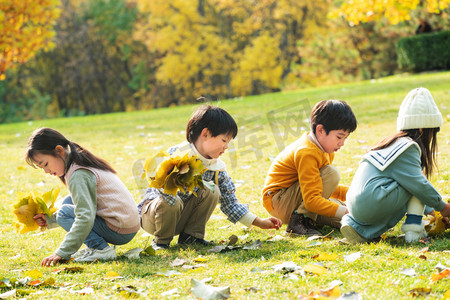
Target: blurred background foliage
x,y
79,57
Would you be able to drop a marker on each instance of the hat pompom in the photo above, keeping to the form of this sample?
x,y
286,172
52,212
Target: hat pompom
x,y
418,110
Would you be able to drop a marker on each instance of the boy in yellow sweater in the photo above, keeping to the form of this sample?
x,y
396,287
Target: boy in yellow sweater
x,y
302,187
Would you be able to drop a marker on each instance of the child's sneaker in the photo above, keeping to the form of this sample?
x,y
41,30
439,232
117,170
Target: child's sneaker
x,y
414,232
299,225
185,239
109,253
157,246
81,252
351,235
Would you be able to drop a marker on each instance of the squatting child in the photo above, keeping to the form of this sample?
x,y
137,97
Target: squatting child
x,y
392,177
99,209
302,187
208,133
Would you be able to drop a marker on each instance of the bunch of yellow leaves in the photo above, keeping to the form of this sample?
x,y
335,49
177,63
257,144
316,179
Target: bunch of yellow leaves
x,y
172,173
434,224
29,205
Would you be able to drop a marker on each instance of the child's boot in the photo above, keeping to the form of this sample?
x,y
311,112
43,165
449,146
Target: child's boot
x,y
414,227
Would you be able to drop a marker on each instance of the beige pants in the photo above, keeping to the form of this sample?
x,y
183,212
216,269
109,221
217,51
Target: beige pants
x,y
286,200
165,221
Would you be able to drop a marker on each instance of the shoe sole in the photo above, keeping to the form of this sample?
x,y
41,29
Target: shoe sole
x,y
352,236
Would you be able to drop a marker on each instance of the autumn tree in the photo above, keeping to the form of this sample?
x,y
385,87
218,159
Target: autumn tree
x,y
224,48
26,26
357,11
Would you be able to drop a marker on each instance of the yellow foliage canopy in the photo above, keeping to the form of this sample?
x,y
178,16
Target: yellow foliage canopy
x,y
26,26
30,205
357,11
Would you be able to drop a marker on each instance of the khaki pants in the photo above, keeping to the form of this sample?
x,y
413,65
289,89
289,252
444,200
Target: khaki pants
x,y
165,221
286,200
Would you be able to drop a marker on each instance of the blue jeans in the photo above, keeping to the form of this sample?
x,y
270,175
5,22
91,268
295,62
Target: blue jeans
x,y
100,234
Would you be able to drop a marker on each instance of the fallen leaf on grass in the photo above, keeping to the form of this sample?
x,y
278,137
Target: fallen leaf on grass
x,y
420,292
325,256
207,292
86,290
291,276
276,238
68,270
352,257
232,240
200,259
134,253
251,289
440,267
255,245
8,294
423,250
149,251
130,291
171,292
408,272
441,275
286,267
112,275
446,295
350,296
177,262
315,269
34,274
168,273
423,257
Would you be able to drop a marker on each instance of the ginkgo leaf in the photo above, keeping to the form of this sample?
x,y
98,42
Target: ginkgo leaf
x,y
423,291
315,269
178,262
134,253
200,259
441,275
111,275
34,203
34,274
207,292
434,225
325,256
174,173
168,273
151,165
352,257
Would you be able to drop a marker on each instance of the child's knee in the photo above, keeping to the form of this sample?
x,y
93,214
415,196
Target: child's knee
x,y
64,213
330,174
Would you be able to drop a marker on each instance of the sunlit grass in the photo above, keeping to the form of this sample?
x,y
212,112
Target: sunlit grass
x,y
124,138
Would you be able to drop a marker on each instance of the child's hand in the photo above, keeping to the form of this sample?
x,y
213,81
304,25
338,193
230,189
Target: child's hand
x,y
445,212
268,223
40,220
50,260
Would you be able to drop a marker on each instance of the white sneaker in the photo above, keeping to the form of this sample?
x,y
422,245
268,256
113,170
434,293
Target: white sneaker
x,y
81,252
109,253
414,232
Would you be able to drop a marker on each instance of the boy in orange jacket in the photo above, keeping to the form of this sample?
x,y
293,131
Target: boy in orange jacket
x,y
302,187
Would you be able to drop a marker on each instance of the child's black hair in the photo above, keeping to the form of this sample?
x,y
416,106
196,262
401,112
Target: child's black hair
x,y
214,118
44,141
333,115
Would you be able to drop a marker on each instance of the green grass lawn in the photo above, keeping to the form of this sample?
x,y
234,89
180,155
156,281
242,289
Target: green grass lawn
x,y
266,123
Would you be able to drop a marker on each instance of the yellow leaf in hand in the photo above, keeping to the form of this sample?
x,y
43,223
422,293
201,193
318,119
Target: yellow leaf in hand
x,y
435,226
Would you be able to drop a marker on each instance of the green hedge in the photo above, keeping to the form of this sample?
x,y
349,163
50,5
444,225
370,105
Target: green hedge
x,y
424,52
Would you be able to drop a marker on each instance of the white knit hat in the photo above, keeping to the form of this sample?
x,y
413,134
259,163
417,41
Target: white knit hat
x,y
418,110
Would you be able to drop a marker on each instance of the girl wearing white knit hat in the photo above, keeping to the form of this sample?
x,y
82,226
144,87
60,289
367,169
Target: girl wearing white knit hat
x,y
392,178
